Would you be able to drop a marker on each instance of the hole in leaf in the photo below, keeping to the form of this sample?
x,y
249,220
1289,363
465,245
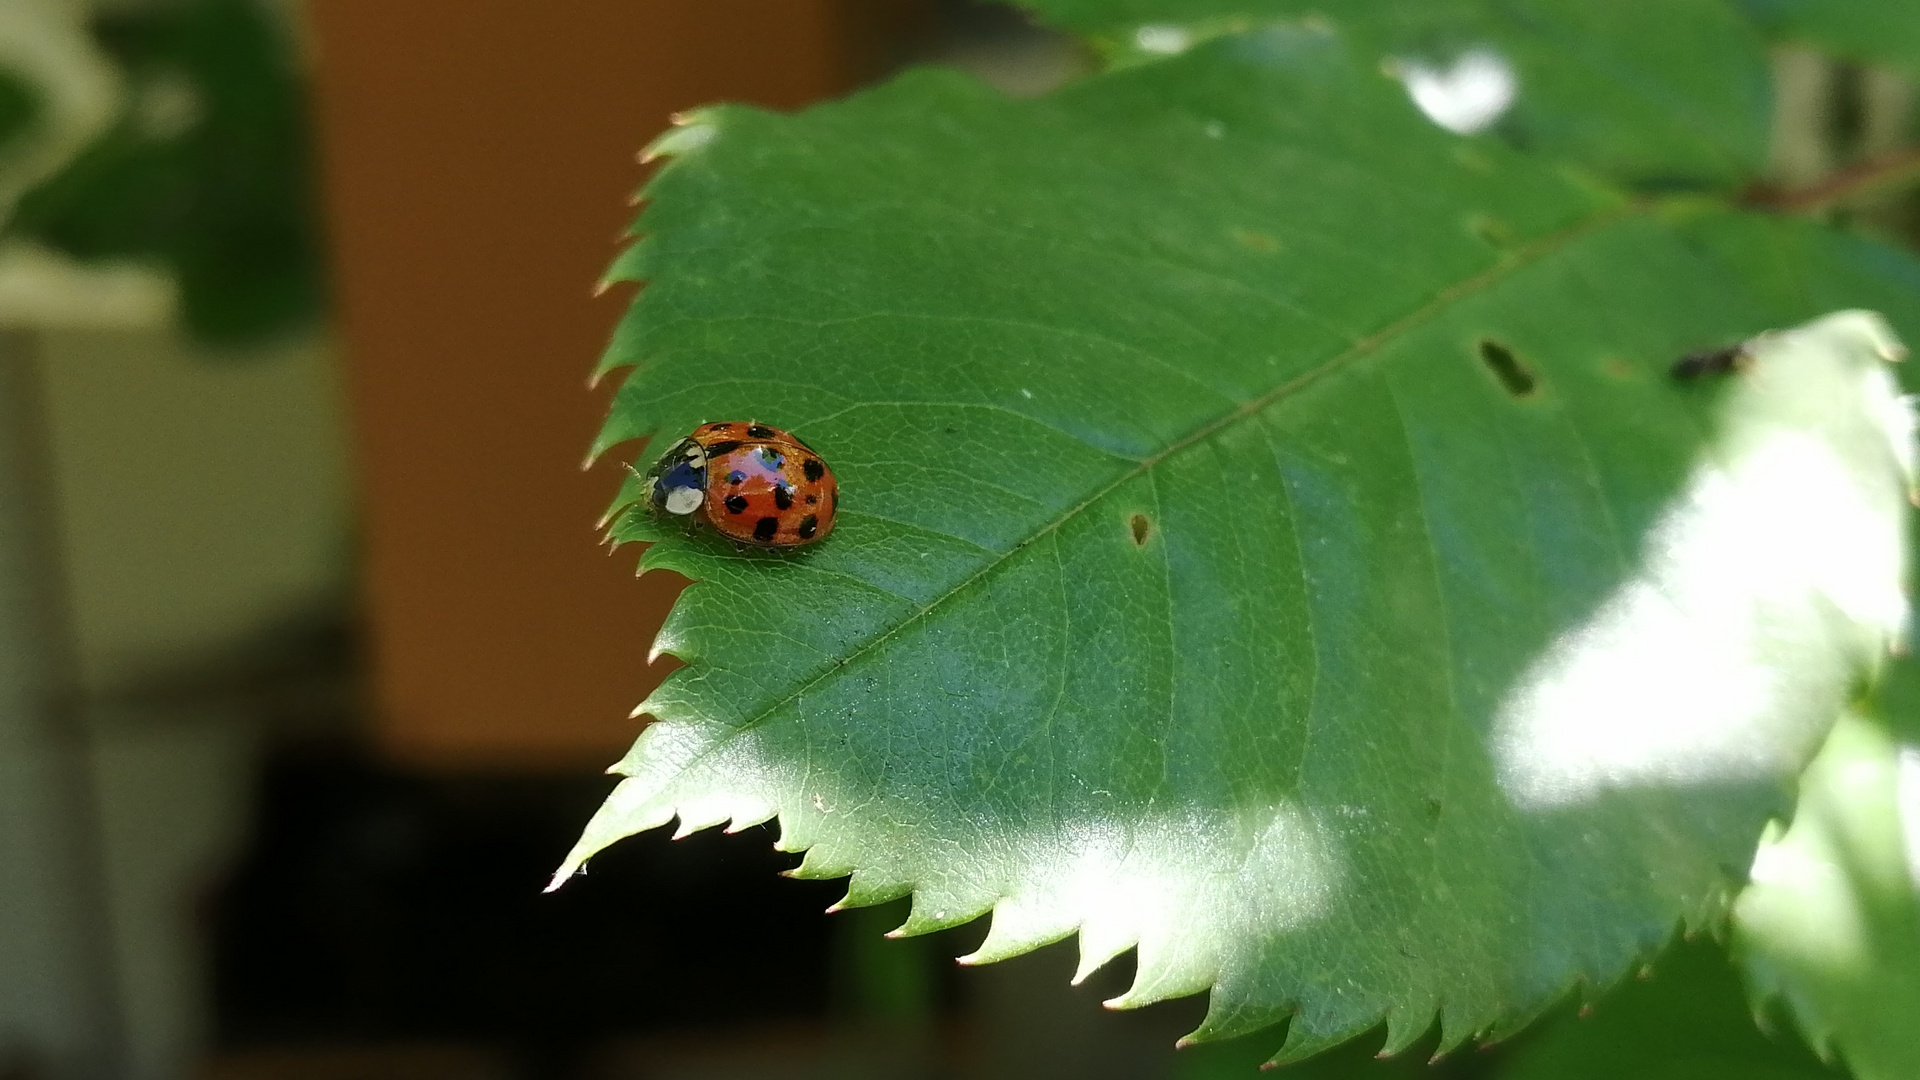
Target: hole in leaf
x,y
1506,367
1142,529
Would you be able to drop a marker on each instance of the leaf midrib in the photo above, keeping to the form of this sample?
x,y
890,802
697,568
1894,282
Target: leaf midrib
x,y
1517,260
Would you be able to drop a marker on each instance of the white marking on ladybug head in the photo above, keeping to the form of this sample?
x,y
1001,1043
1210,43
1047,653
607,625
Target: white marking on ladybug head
x,y
684,500
696,454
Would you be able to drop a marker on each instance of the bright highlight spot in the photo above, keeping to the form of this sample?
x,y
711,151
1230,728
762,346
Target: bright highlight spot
x,y
1465,98
1162,39
1770,581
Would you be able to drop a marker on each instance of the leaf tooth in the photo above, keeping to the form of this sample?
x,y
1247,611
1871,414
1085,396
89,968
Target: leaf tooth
x,y
629,267
1407,1021
870,886
1100,941
1303,1041
1169,966
734,809
749,813
626,348
632,490
816,865
671,640
1230,1019
1020,925
691,130
1459,1024
633,806
934,911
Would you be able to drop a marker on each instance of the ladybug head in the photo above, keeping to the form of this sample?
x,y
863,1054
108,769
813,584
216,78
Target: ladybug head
x,y
679,479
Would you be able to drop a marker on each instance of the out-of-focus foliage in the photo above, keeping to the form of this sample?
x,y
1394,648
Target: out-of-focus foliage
x,y
1880,31
207,172
1831,923
18,107
1683,1017
1668,94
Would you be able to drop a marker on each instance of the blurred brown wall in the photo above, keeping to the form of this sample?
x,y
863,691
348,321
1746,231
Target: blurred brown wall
x,y
478,159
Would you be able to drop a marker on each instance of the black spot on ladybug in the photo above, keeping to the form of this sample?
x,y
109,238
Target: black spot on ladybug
x,y
811,499
1142,529
773,458
736,477
808,526
764,529
814,470
760,432
782,496
1513,375
719,448
736,504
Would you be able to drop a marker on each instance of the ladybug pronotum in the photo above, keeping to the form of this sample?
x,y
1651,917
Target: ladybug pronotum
x,y
753,483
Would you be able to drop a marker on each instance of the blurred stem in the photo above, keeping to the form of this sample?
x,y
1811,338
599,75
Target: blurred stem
x,y
1866,177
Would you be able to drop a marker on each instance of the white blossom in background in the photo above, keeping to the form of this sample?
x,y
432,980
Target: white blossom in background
x,y
1465,98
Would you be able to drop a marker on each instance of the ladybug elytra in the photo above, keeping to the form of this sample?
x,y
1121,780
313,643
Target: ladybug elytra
x,y
755,484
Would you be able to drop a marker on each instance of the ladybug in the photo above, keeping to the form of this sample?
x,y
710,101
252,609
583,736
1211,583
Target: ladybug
x,y
756,484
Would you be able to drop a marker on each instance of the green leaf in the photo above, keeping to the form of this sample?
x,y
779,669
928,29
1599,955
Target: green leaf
x,y
1866,30
1831,923
1666,93
1684,1017
1270,537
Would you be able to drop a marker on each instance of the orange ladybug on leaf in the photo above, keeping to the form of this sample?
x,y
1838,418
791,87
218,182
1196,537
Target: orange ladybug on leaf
x,y
755,484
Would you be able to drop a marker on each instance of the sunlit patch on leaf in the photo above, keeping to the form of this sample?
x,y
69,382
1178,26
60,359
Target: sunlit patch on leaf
x,y
1771,582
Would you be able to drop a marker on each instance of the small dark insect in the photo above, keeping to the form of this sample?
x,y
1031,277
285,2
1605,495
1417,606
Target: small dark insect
x,y
1704,362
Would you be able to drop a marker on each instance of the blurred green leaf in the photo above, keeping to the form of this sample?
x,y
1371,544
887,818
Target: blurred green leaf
x,y
208,173
1874,31
1831,923
1663,94
1264,518
1684,1018
18,107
